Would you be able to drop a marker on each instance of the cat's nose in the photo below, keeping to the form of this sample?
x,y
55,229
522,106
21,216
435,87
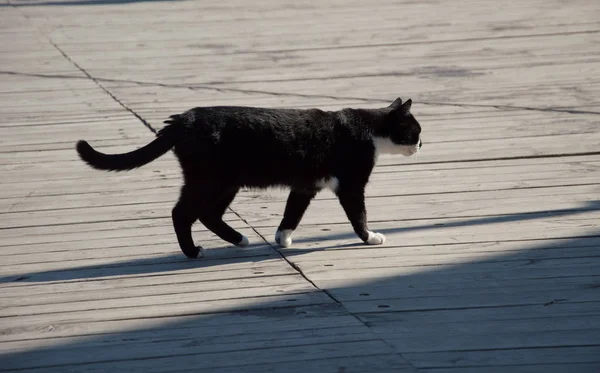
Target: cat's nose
x,y
420,143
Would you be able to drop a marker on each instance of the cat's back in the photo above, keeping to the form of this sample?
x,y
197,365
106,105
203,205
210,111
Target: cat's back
x,y
246,126
256,133
256,119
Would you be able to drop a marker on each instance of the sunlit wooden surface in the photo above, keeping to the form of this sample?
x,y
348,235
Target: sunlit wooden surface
x,y
492,262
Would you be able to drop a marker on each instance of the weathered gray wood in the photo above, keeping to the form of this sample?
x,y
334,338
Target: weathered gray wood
x,y
390,180
446,290
452,340
490,263
537,368
388,363
450,205
146,246
447,231
112,288
554,355
187,344
238,358
468,204
173,263
160,296
173,309
475,315
231,323
491,299
529,249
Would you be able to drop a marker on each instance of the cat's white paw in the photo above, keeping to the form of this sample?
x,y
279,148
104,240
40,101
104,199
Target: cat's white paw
x,y
244,242
284,237
375,238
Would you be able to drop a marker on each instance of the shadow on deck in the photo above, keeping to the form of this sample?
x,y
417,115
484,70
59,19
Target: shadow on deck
x,y
543,300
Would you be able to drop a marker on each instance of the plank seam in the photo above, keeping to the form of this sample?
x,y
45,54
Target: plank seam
x,y
326,292
207,86
547,304
144,122
512,348
173,354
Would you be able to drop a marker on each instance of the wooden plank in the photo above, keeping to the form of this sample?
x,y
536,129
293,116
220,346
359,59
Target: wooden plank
x,y
491,299
155,211
467,204
531,249
173,309
444,291
237,358
171,295
462,273
464,60
470,204
136,191
556,310
187,345
537,368
238,268
153,254
454,341
490,261
447,231
172,327
553,355
38,294
94,230
146,246
407,179
373,363
225,339
217,16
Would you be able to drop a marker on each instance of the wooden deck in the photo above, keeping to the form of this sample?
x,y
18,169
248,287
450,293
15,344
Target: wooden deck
x,y
493,256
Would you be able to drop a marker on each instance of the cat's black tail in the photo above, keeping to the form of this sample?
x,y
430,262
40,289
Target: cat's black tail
x,y
165,140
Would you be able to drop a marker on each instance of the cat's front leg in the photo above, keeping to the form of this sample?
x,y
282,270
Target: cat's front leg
x,y
296,205
352,200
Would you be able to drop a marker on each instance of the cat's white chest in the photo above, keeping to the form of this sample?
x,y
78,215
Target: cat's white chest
x,y
330,183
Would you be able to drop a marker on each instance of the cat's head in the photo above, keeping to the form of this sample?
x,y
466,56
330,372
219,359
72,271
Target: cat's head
x,y
399,133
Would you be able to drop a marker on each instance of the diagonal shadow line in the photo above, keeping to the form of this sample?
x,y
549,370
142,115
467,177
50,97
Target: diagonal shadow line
x,y
496,219
457,310
207,86
177,262
106,91
154,266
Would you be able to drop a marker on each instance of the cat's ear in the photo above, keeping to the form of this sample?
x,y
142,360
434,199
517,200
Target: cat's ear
x,y
396,104
406,106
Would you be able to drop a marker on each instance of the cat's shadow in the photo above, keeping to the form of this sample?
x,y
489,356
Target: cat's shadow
x,y
166,264
320,241
216,259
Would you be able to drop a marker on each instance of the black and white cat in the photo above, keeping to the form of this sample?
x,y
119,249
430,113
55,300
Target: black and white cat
x,y
223,149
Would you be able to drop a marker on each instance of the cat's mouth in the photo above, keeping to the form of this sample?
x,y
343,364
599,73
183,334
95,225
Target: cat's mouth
x,y
386,146
409,150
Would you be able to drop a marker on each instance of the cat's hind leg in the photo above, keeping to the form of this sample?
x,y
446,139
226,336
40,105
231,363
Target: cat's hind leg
x,y
353,201
184,215
296,205
211,211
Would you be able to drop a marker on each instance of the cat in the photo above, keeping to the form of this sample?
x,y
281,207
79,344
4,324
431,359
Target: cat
x,y
225,148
